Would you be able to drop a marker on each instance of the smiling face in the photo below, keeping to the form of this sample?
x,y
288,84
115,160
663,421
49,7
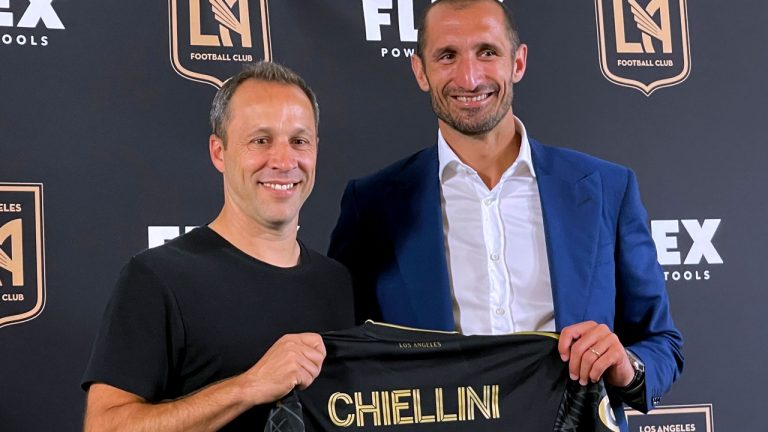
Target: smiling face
x,y
268,160
469,66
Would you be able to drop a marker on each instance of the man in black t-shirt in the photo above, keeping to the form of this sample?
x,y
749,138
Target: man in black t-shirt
x,y
207,331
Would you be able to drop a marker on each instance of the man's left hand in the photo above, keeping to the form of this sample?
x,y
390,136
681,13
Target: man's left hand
x,y
593,351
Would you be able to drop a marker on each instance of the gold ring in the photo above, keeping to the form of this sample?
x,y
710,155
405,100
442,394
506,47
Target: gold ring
x,y
595,352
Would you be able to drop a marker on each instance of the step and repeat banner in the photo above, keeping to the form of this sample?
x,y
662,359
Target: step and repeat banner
x,y
103,153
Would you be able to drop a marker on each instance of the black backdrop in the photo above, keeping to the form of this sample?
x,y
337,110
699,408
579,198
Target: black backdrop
x,y
97,113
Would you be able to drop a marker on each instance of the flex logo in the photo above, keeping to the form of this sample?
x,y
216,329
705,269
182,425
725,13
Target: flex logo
x,y
37,11
211,39
27,14
696,249
22,266
376,15
391,24
643,43
157,235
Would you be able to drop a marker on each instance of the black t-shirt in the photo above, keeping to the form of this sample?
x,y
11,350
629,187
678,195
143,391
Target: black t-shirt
x,y
379,377
198,310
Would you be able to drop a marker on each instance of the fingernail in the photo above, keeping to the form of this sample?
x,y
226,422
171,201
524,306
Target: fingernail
x,y
563,357
574,377
583,382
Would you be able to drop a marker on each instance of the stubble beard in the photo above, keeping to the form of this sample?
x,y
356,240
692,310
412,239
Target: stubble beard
x,y
468,124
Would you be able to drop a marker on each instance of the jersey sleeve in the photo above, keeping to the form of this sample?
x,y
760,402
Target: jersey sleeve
x,y
141,337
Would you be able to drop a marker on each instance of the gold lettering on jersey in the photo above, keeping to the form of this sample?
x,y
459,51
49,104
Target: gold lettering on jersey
x,y
399,404
361,409
440,408
394,407
332,409
418,417
412,345
387,413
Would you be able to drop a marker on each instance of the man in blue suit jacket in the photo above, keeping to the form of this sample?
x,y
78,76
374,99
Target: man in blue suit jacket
x,y
596,260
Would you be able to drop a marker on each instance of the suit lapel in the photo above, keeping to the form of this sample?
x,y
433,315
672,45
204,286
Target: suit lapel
x,y
571,206
418,242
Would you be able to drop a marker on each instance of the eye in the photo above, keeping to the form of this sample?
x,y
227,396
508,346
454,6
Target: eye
x,y
446,57
488,53
300,141
259,140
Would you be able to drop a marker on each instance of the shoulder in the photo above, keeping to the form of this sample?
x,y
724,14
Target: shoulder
x,y
181,252
414,164
575,164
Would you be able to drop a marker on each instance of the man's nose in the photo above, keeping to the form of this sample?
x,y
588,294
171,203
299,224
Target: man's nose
x,y
282,156
468,73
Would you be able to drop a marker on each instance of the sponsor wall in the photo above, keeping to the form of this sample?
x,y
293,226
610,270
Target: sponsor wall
x,y
103,152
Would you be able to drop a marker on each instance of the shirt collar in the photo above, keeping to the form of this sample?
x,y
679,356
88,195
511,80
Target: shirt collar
x,y
449,161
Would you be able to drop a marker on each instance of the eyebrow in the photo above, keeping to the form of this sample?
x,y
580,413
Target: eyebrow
x,y
480,46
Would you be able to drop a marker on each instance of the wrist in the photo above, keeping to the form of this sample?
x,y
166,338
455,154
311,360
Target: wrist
x,y
638,373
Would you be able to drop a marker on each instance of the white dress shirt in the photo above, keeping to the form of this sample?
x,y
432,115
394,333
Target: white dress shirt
x,y
495,246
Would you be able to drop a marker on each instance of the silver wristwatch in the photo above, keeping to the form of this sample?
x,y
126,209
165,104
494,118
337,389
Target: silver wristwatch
x,y
639,368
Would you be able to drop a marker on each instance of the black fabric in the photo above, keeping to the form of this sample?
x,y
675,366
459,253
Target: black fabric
x,y
197,310
522,371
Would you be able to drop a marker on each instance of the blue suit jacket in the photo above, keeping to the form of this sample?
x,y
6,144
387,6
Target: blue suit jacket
x,y
602,258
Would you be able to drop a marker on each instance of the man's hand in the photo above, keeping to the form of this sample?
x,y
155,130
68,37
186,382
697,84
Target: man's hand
x,y
593,351
294,361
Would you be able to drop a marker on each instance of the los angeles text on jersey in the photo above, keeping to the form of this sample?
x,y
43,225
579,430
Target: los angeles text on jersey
x,y
407,406
24,22
686,248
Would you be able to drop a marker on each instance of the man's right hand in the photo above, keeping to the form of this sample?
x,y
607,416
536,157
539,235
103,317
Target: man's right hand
x,y
294,361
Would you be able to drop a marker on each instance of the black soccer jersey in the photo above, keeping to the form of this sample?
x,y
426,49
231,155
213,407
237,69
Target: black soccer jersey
x,y
385,378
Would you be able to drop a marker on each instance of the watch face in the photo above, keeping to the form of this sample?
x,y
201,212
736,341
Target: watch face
x,y
636,363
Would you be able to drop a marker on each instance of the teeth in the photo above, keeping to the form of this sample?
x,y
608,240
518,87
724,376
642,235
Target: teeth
x,y
472,99
276,186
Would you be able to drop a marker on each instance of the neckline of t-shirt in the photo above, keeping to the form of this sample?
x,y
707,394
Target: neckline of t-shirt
x,y
304,256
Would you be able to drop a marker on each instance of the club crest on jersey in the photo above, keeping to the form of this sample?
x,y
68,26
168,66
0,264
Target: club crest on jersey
x,y
643,43
211,39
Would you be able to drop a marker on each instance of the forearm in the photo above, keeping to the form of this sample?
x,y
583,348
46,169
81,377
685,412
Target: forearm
x,y
206,410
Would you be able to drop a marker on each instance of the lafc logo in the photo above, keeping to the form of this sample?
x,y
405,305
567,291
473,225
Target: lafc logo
x,y
22,274
644,44
210,39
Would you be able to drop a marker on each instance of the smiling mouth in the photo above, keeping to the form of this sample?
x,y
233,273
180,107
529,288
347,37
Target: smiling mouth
x,y
278,186
477,98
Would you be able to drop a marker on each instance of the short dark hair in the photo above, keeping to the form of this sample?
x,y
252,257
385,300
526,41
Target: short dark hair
x,y
509,22
263,71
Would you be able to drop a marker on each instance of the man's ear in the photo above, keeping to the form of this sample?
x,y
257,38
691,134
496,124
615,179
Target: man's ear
x,y
216,150
520,61
417,65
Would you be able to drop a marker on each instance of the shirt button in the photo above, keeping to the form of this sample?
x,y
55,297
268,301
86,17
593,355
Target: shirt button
x,y
487,201
500,311
494,257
